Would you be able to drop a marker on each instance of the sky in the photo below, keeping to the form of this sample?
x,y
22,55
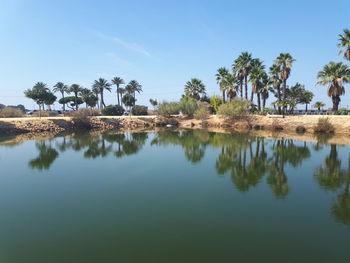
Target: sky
x,y
161,44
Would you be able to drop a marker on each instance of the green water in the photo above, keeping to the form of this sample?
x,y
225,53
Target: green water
x,y
173,197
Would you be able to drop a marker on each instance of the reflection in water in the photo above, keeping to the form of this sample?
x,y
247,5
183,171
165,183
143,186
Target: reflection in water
x,y
92,147
331,178
47,155
248,160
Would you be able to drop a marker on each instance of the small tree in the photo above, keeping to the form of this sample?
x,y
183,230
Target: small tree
x,y
129,101
215,102
318,105
154,103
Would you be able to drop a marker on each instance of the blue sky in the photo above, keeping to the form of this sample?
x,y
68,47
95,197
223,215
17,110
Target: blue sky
x,y
162,44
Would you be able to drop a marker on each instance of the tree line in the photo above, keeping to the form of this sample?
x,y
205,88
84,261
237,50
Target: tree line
x,y
250,80
94,97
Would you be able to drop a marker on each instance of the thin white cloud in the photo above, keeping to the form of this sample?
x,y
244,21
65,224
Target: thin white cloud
x,y
117,59
127,45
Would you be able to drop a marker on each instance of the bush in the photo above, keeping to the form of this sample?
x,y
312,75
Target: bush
x,y
266,111
343,111
188,107
234,108
139,110
81,119
44,113
166,109
202,113
300,129
113,110
324,126
10,112
85,112
215,102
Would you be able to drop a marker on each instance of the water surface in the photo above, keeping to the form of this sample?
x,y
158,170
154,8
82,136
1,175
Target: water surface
x,y
168,196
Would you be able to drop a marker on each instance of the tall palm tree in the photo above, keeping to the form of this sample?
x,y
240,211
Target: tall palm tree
x,y
118,81
61,88
276,83
194,89
133,87
121,91
75,89
96,91
334,75
284,61
256,75
242,66
102,85
344,43
231,86
221,78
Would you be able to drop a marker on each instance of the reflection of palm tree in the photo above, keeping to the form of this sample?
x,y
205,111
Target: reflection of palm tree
x,y
47,155
285,151
329,176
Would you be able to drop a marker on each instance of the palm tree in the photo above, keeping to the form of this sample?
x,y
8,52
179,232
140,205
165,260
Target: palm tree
x,y
242,67
284,61
62,88
334,75
276,83
102,84
96,91
121,92
75,89
344,43
118,81
318,105
133,87
264,89
257,72
231,86
221,78
194,89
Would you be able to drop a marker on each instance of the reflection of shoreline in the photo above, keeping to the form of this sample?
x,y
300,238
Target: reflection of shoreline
x,y
306,137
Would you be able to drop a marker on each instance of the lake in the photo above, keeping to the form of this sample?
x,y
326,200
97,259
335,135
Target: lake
x,y
173,196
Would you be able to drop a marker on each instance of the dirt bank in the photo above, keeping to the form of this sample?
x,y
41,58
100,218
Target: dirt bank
x,y
252,122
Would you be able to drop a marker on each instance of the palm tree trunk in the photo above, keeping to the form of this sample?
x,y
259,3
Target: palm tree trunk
x,y
76,101
259,101
241,88
246,86
335,100
64,105
279,98
306,108
102,100
223,96
118,95
251,96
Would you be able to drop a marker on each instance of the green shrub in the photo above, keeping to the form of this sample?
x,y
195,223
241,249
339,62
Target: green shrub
x,y
85,111
113,110
324,126
188,107
166,109
139,110
234,108
215,102
266,111
10,112
202,113
343,111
